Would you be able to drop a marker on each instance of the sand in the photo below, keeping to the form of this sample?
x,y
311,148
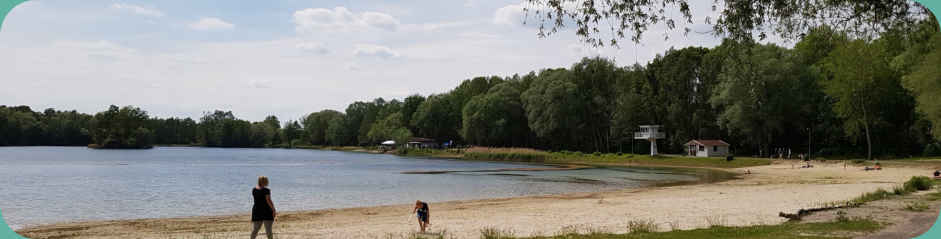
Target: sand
x,y
756,198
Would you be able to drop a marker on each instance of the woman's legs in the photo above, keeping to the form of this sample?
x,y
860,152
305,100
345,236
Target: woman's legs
x,y
256,225
268,229
421,224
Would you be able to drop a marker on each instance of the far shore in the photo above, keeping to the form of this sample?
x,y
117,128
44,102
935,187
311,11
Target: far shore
x,y
754,199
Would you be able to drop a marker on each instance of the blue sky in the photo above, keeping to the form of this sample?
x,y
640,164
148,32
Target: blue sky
x,y
286,58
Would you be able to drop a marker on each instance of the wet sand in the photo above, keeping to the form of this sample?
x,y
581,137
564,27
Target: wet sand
x,y
756,198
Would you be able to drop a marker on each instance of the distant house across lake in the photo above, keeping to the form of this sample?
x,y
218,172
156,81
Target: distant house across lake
x,y
421,143
707,148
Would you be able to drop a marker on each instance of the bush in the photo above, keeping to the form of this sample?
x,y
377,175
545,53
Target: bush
x,y
493,233
919,183
899,190
641,226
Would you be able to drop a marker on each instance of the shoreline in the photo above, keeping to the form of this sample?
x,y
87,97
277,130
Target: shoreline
x,y
701,173
754,199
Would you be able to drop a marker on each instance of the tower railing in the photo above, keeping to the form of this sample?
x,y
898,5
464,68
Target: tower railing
x,y
649,135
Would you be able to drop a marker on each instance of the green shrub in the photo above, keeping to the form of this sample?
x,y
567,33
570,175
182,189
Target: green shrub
x,y
899,190
919,183
494,233
641,226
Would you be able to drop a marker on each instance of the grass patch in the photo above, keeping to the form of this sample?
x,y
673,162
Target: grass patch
x,y
641,226
506,154
916,206
877,195
786,230
935,196
494,233
613,159
841,216
436,153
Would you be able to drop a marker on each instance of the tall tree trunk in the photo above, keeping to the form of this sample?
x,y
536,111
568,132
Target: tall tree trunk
x,y
810,142
868,142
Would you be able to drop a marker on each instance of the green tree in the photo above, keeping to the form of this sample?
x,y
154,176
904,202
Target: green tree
x,y
386,128
760,95
315,124
437,118
338,130
496,118
292,132
925,84
681,83
551,108
274,125
122,127
632,106
862,84
409,106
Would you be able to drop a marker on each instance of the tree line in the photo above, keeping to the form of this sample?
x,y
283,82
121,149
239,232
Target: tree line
x,y
831,94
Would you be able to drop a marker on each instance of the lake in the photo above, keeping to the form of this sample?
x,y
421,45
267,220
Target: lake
x,y
42,185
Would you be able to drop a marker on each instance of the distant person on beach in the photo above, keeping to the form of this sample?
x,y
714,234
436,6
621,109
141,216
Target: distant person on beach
x,y
263,211
423,214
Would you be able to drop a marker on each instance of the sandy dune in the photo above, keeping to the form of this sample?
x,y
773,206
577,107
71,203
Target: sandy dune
x,y
757,198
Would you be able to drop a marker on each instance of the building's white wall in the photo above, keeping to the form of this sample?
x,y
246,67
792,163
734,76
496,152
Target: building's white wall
x,y
708,152
721,151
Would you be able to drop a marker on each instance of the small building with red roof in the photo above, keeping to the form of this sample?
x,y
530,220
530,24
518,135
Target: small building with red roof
x,y
707,148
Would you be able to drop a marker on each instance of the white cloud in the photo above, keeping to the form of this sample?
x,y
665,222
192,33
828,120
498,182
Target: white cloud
x,y
353,67
374,50
211,23
315,47
508,15
261,84
150,12
97,49
342,19
585,50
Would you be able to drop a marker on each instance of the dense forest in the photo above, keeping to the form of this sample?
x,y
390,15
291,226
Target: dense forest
x,y
830,94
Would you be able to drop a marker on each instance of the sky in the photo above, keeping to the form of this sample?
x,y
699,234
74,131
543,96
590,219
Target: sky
x,y
181,58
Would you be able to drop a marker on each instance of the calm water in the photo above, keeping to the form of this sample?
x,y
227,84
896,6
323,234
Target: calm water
x,y
56,184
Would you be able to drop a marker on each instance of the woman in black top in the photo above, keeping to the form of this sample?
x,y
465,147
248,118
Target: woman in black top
x,y
423,214
263,211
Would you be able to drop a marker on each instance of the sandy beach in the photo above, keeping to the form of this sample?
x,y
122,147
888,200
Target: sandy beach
x,y
755,198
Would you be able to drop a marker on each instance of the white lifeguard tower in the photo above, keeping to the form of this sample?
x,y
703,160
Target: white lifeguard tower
x,y
650,133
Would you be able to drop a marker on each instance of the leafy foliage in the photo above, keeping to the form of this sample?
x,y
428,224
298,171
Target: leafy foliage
x,y
122,128
736,19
